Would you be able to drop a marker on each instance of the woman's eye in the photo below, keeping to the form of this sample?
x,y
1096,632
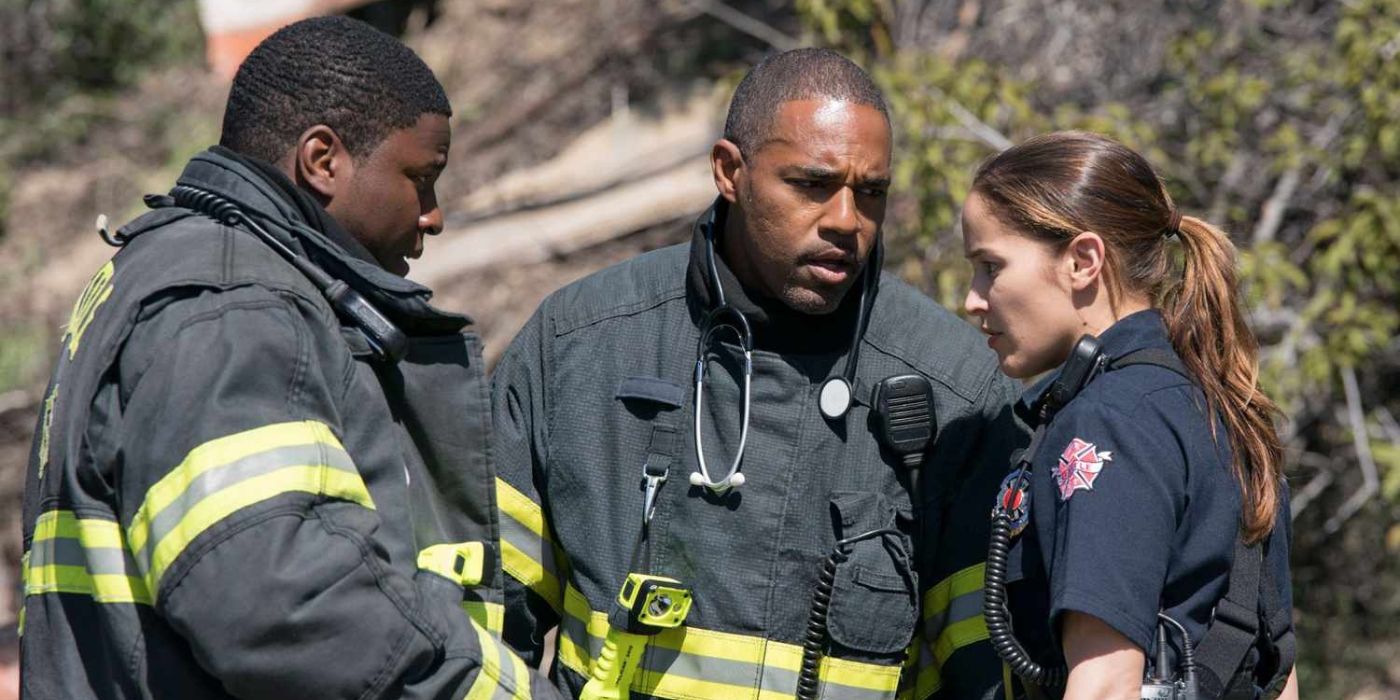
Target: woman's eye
x,y
990,268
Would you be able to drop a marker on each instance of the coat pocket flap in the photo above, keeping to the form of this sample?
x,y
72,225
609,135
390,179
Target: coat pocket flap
x,y
653,389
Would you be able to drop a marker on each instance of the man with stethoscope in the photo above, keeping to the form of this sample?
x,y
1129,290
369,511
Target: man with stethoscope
x,y
708,455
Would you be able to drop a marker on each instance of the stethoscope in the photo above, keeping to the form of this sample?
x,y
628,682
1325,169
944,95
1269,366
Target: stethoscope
x,y
836,395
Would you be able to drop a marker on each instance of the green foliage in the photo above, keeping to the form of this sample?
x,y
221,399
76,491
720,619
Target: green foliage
x,y
74,45
23,355
63,60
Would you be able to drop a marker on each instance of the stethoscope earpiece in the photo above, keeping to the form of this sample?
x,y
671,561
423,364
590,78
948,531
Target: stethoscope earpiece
x,y
734,481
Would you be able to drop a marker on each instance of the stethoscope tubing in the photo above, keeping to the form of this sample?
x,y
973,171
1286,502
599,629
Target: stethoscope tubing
x,y
732,478
724,316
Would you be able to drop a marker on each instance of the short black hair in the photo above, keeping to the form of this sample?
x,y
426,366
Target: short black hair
x,y
335,71
799,74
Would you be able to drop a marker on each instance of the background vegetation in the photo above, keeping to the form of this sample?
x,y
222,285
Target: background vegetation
x,y
1276,119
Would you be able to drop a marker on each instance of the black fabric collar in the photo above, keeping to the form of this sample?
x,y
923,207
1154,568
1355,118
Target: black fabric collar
x,y
776,326
1136,331
300,222
311,211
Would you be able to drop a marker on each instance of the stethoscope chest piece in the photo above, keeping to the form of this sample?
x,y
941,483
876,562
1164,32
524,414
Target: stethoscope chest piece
x,y
835,397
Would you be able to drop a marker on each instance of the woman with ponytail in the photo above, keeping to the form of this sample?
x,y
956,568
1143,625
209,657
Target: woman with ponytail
x,y
1142,485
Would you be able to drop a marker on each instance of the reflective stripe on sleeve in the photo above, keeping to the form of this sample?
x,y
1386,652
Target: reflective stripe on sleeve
x,y
690,663
230,473
82,555
527,552
487,614
503,675
952,620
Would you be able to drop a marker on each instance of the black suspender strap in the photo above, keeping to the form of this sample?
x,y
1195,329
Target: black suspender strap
x,y
1235,625
1238,617
1157,357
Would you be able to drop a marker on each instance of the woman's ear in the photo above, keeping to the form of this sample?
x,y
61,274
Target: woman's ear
x,y
1085,255
727,162
322,162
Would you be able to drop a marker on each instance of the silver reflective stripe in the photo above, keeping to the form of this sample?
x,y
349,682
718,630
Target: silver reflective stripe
x,y
963,607
221,477
508,679
529,544
63,551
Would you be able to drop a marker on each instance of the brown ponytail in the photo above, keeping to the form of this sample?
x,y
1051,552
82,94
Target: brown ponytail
x,y
1209,332
1056,186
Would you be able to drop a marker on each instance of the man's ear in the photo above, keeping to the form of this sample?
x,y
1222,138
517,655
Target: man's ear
x,y
727,163
1085,257
322,163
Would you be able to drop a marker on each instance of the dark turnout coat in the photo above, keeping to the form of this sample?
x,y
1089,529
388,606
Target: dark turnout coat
x,y
229,495
601,381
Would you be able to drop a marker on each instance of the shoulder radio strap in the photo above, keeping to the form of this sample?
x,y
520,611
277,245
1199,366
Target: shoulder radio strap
x,y
1236,623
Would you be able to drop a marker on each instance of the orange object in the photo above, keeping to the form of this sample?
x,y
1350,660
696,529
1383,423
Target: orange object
x,y
232,28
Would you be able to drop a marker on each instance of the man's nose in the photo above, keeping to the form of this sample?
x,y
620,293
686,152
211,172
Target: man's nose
x,y
841,215
431,220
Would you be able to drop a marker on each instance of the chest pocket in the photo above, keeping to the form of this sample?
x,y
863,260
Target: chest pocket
x,y
874,600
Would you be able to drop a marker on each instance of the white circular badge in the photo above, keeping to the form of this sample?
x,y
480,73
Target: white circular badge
x,y
835,397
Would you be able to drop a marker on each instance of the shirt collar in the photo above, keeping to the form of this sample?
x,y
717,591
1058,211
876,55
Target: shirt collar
x,y
1136,331
776,327
298,223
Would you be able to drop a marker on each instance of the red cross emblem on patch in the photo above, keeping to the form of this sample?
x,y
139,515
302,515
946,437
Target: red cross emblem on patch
x,y
1080,465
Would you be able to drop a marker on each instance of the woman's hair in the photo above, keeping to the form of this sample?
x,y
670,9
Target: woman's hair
x,y
1056,186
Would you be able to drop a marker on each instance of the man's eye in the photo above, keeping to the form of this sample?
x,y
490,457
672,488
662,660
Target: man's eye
x,y
872,191
805,183
990,268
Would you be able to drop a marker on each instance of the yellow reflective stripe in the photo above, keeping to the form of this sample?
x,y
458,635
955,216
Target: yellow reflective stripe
x,y
519,506
774,665
530,573
230,473
521,674
968,580
528,553
952,620
492,677
84,556
929,679
488,615
220,452
959,635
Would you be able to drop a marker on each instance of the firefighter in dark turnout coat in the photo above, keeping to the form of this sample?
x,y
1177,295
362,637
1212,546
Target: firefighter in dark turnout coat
x,y
234,492
600,386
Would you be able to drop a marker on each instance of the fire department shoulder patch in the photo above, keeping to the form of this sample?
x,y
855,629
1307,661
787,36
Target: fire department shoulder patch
x,y
1080,465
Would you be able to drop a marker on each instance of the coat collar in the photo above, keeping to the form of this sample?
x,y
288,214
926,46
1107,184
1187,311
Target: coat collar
x,y
301,223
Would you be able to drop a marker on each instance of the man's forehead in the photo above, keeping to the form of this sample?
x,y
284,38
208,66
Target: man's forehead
x,y
430,135
824,127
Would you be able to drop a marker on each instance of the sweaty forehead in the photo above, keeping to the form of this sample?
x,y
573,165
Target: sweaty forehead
x,y
832,130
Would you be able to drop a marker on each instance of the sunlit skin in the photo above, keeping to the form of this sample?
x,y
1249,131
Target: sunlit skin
x,y
386,199
1032,300
808,204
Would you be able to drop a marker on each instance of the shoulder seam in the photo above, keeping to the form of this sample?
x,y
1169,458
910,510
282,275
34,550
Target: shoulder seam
x,y
631,309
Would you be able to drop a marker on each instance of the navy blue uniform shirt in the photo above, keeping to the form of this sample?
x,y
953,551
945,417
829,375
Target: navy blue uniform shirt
x,y
1134,507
